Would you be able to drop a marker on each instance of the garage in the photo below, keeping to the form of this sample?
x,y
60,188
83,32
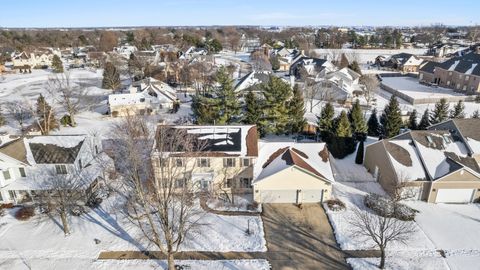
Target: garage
x,y
311,196
454,195
278,196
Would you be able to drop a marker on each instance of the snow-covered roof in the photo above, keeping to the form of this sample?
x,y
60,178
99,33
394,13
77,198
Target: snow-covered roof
x,y
407,166
277,156
253,78
234,140
148,90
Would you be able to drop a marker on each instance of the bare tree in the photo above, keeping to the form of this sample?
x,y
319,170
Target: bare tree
x,y
381,230
161,199
66,94
19,111
260,61
315,92
371,84
403,189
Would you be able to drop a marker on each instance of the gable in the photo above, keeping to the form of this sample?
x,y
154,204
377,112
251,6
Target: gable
x,y
461,175
292,178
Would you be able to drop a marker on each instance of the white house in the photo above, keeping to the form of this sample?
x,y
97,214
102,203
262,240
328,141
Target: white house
x,y
340,85
28,164
125,50
148,96
289,172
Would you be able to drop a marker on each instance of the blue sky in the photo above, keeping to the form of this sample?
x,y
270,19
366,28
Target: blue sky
x,y
91,13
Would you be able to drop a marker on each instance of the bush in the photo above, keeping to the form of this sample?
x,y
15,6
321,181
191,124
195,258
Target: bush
x,y
66,120
25,213
6,206
94,202
341,147
335,205
385,207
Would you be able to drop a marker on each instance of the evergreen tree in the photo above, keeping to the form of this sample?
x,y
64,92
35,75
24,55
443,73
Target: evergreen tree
x,y
412,120
476,114
275,63
373,124
359,157
391,118
45,116
458,110
111,77
359,126
277,93
440,112
425,120
355,67
253,112
57,64
228,102
205,110
296,111
325,120
343,128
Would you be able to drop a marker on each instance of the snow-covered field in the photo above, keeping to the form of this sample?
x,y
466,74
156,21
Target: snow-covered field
x,y
363,56
41,238
403,261
410,86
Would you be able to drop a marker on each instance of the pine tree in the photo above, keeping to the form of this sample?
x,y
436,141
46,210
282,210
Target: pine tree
x,y
252,109
296,111
391,118
275,63
412,120
458,110
343,128
45,116
111,77
440,112
425,120
204,110
57,64
359,126
277,93
355,67
325,120
373,124
476,114
227,99
359,157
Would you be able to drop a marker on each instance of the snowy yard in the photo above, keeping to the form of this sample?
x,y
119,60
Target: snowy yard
x,y
241,203
41,239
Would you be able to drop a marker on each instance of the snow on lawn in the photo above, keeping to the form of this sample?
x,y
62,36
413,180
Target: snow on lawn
x,y
346,169
43,238
451,227
402,261
363,56
352,194
241,203
411,87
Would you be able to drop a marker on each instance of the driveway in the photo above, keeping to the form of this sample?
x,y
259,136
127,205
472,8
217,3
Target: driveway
x,y
300,238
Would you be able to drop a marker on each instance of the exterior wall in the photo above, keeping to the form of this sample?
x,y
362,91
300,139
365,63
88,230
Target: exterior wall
x,y
461,179
409,68
376,157
219,171
426,77
468,84
282,180
141,109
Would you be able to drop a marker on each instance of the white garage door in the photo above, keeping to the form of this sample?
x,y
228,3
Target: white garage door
x,y
454,195
312,196
278,196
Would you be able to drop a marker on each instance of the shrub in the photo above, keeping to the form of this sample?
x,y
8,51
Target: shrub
x,y
385,207
6,206
252,206
335,205
66,120
94,202
25,213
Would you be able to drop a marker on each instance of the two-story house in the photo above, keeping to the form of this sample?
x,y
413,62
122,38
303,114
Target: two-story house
x,y
28,164
223,161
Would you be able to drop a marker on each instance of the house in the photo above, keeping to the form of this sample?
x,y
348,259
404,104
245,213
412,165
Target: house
x,y
150,57
41,58
467,130
125,50
434,165
28,164
23,61
148,96
193,52
286,57
249,44
224,158
404,62
289,172
252,81
427,71
312,66
340,85
460,73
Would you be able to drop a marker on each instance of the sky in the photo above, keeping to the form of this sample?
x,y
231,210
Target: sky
x,y
117,13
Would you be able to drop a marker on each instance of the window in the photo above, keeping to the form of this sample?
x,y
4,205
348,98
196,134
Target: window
x,y
96,149
178,162
245,182
142,99
467,78
245,162
228,183
229,162
6,175
61,169
179,183
203,162
22,172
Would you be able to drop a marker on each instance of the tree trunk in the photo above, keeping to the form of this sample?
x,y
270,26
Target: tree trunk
x,y
382,258
170,261
66,228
